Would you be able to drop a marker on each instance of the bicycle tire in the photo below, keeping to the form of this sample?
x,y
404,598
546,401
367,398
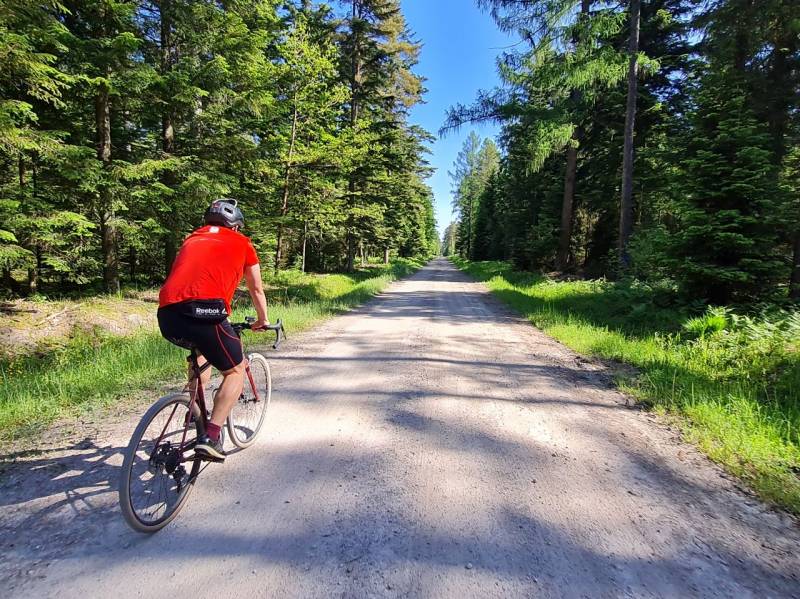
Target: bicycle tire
x,y
126,501
247,415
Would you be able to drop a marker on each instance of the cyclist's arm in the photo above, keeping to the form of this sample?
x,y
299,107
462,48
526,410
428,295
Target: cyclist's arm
x,y
252,276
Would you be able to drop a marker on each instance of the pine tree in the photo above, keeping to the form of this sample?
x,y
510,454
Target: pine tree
x,y
758,43
309,98
553,84
449,239
488,227
790,181
123,119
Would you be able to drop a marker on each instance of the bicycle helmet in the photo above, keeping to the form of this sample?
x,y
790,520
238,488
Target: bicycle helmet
x,y
225,213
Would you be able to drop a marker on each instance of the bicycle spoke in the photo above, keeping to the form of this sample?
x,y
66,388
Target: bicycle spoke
x,y
247,415
158,479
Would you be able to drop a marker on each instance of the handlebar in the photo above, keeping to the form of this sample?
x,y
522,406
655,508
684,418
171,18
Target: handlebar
x,y
247,325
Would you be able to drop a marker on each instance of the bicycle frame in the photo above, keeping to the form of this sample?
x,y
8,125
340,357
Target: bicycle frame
x,y
165,457
198,397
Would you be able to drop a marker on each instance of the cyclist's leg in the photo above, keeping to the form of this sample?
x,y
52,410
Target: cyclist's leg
x,y
224,351
216,343
222,347
228,393
205,376
177,328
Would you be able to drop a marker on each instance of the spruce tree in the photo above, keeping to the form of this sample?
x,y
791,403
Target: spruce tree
x,y
29,44
378,54
726,246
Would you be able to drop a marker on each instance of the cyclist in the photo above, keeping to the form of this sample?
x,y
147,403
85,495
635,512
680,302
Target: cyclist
x,y
195,301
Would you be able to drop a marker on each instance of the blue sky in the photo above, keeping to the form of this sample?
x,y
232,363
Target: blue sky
x,y
460,44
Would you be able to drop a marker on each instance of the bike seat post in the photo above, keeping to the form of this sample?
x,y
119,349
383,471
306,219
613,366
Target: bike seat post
x,y
196,379
193,362
192,357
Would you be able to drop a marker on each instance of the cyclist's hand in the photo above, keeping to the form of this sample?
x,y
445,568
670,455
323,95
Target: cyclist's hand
x,y
259,325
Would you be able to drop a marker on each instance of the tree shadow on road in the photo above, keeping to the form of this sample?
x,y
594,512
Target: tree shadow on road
x,y
381,537
33,474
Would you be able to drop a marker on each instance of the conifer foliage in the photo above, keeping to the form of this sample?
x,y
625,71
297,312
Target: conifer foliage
x,y
669,157
726,243
120,120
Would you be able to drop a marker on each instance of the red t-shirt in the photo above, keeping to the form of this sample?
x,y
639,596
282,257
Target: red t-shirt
x,y
209,265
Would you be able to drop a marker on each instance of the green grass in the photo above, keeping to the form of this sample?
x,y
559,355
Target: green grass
x,y
732,381
97,369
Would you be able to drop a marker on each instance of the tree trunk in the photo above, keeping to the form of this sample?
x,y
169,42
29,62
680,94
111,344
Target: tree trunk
x,y
386,255
132,264
568,201
168,136
108,242
468,254
782,102
170,251
33,281
285,195
39,263
782,91
626,203
35,174
278,249
35,273
794,285
351,252
567,208
305,241
8,280
107,224
355,81
22,171
744,31
355,85
167,141
167,133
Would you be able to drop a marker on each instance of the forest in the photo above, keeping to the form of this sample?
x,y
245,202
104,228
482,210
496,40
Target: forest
x,y
649,139
639,206
642,205
121,120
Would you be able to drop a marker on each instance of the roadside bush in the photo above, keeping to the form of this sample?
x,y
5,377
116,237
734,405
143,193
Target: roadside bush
x,y
753,347
713,321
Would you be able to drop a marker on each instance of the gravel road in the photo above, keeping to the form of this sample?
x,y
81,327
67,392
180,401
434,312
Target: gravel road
x,y
428,444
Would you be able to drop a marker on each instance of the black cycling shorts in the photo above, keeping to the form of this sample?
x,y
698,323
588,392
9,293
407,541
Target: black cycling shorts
x,y
215,339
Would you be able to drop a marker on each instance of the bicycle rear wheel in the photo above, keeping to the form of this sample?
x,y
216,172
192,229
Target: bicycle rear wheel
x,y
248,413
155,484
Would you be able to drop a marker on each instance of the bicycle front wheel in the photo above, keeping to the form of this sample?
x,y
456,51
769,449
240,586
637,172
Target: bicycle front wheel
x,y
248,414
155,483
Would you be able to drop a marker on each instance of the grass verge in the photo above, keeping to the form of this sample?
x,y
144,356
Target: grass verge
x,y
733,381
98,368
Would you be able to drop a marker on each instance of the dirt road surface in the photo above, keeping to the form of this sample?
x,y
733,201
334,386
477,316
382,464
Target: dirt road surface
x,y
429,444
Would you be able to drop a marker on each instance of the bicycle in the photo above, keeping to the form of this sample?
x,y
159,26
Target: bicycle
x,y
159,459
